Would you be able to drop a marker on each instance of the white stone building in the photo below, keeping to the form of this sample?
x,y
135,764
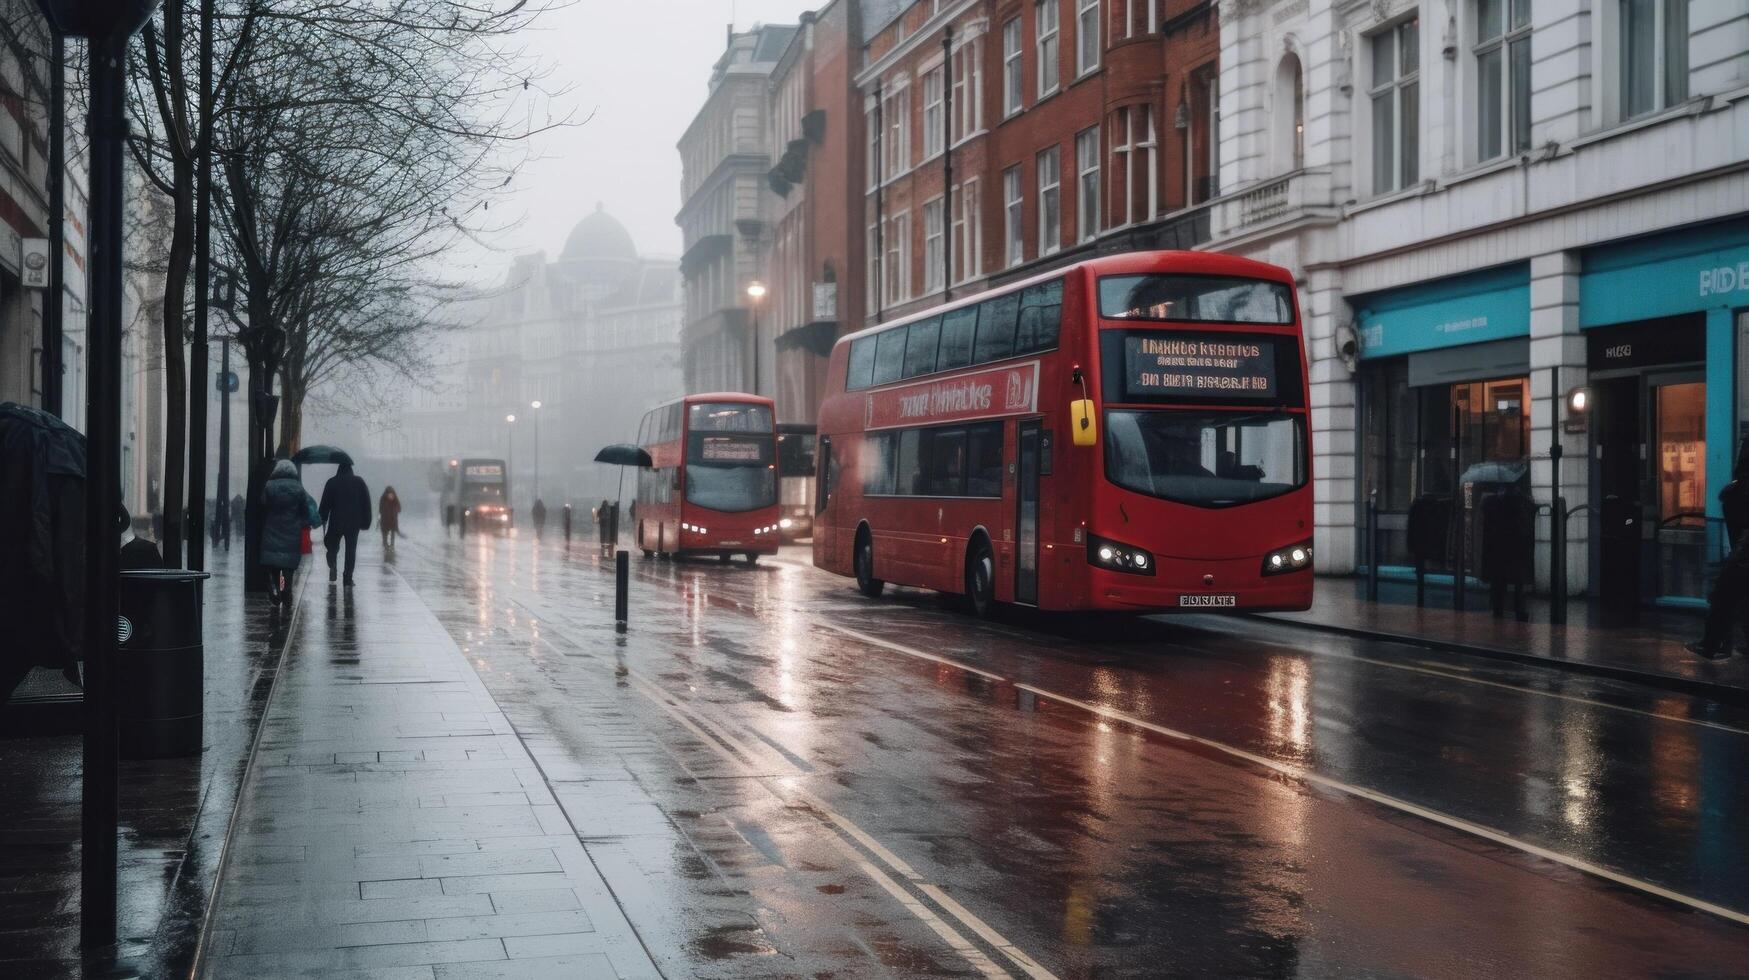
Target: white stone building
x,y
1488,203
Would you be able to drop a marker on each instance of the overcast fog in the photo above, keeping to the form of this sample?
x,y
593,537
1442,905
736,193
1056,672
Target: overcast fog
x,y
635,74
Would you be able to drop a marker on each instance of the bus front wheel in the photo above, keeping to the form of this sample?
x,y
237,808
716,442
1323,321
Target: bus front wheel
x,y
981,579
866,583
752,557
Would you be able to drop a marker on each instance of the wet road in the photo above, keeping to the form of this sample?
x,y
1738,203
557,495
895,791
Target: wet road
x,y
779,777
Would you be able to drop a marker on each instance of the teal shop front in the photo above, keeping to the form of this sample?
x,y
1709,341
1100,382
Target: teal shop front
x,y
1443,393
1665,321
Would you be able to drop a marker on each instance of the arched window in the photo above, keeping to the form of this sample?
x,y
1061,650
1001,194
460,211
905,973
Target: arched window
x,y
1289,116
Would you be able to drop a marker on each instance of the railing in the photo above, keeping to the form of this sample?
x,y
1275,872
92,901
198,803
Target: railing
x,y
1296,194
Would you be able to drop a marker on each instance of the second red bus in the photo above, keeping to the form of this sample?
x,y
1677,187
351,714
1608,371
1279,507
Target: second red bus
x,y
712,487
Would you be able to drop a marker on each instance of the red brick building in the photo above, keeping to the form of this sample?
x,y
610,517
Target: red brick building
x,y
813,203
1004,136
926,149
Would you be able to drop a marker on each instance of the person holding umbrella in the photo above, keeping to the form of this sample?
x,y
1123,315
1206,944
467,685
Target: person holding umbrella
x,y
345,512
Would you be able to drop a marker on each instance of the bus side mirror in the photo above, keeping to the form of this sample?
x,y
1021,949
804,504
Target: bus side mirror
x,y
1081,424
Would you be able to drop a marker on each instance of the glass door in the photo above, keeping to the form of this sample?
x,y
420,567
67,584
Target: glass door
x,y
1678,465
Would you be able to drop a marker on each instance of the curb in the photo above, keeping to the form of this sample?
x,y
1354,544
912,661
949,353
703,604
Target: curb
x,y
209,918
1696,687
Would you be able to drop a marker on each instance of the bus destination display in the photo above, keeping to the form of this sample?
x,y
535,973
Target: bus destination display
x,y
1177,366
730,449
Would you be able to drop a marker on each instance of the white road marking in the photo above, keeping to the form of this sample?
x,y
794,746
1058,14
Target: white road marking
x,y
1486,833
907,651
729,747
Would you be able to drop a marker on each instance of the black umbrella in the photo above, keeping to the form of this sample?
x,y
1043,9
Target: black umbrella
x,y
321,454
624,454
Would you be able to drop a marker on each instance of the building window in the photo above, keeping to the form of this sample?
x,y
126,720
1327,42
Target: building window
x,y
932,118
1086,36
898,264
1396,115
1502,77
1087,183
1120,19
1653,54
1149,148
1050,216
1288,118
1013,226
968,238
1011,97
932,239
1046,17
872,276
968,86
874,147
1122,169
897,119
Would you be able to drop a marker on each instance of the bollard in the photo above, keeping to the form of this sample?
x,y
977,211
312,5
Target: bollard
x,y
1558,561
1372,546
1459,572
621,571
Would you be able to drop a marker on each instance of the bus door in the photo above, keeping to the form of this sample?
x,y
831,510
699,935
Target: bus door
x,y
1030,445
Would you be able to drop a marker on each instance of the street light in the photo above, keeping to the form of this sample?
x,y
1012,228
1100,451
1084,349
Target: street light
x,y
536,406
509,454
755,293
109,24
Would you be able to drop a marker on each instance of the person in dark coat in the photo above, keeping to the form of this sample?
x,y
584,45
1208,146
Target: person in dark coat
x,y
389,516
540,516
1731,587
286,509
345,512
238,512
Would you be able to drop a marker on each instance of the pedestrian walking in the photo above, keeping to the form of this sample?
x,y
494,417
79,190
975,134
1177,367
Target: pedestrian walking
x,y
286,509
239,510
540,516
448,518
345,512
389,517
1731,587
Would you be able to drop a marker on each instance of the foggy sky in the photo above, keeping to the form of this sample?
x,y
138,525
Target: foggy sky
x,y
642,68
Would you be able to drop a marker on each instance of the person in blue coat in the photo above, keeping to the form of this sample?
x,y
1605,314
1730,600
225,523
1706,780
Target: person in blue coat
x,y
286,508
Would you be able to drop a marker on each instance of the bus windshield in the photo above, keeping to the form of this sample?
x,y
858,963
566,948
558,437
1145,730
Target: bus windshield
x,y
731,471
1198,299
1207,459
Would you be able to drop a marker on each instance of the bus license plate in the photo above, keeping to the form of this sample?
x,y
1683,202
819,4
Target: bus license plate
x,y
727,543
1205,601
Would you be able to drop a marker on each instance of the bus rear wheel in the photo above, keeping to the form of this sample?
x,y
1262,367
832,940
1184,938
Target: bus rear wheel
x,y
866,583
981,579
723,557
752,557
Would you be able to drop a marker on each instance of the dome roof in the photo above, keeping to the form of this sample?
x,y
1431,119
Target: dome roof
x,y
599,236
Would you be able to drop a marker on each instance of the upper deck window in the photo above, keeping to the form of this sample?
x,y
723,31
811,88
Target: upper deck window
x,y
1195,299
729,417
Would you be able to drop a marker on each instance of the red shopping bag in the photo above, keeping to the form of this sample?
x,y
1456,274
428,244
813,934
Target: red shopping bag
x,y
304,547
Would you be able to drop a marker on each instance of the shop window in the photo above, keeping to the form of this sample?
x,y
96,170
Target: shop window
x,y
1681,460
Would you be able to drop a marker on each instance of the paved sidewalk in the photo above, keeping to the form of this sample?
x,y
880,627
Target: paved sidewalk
x,y
173,812
394,826
1649,649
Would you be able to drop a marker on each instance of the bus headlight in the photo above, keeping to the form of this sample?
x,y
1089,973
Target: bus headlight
x,y
1119,557
1293,558
785,523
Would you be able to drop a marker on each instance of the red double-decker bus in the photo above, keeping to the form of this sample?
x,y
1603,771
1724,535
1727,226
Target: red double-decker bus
x,y
712,485
1127,433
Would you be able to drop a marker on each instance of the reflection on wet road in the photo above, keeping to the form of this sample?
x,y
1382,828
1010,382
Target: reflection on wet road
x,y
778,777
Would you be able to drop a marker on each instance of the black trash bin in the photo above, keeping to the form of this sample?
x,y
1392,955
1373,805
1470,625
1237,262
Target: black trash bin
x,y
160,663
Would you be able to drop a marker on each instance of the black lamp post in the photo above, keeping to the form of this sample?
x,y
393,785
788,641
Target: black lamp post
x,y
107,24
